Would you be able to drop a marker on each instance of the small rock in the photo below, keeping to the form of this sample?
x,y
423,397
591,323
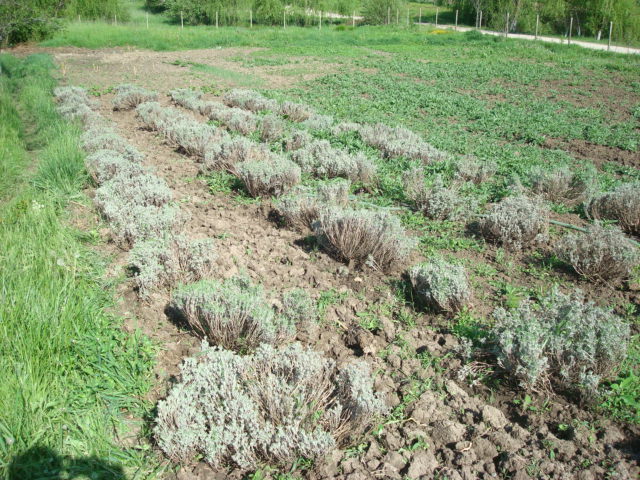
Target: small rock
x,y
494,417
423,463
446,432
395,460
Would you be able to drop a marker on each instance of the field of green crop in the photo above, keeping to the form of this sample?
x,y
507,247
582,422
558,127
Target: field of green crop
x,y
80,398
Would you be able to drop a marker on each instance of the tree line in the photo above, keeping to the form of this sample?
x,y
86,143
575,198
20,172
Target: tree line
x,y
590,17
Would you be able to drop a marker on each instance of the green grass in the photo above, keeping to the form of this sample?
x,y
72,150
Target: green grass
x,y
69,371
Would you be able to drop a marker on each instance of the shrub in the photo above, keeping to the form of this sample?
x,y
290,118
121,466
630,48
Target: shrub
x,y
187,98
72,93
249,100
441,285
296,112
272,407
103,165
320,159
298,140
471,169
165,261
399,142
563,340
435,201
298,307
515,222
142,189
155,117
601,254
376,11
135,223
360,236
561,186
302,208
344,127
232,314
74,103
130,96
622,205
272,128
238,120
227,154
271,178
96,139
192,137
318,122
212,110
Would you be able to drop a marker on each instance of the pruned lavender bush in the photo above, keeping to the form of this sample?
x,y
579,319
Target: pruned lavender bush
x,y
601,255
165,261
232,314
130,96
562,186
187,98
345,127
74,103
212,110
101,138
272,128
320,159
230,152
130,223
318,122
434,199
269,178
302,208
72,93
297,140
142,189
249,100
296,112
621,204
155,117
516,222
298,307
563,341
399,142
103,165
238,120
191,136
363,236
441,285
272,407
470,169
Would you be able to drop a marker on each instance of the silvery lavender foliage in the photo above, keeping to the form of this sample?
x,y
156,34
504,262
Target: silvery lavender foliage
x,y
130,96
249,100
154,116
165,261
363,236
562,185
515,222
471,169
320,159
296,112
297,140
191,136
298,307
230,152
269,178
622,204
104,138
272,407
301,208
441,285
318,122
238,120
74,103
134,223
187,98
344,127
563,341
144,189
233,314
399,142
601,255
272,128
434,199
73,93
103,165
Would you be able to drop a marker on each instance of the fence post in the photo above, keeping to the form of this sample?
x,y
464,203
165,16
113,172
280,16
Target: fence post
x,y
147,20
353,19
216,19
284,19
181,20
456,19
420,16
537,25
250,18
610,32
570,29
388,15
506,27
437,12
320,22
397,16
407,17
480,24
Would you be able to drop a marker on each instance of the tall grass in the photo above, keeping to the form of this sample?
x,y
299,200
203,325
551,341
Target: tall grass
x,y
68,370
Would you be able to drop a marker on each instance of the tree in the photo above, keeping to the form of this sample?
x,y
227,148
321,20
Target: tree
x,y
22,20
